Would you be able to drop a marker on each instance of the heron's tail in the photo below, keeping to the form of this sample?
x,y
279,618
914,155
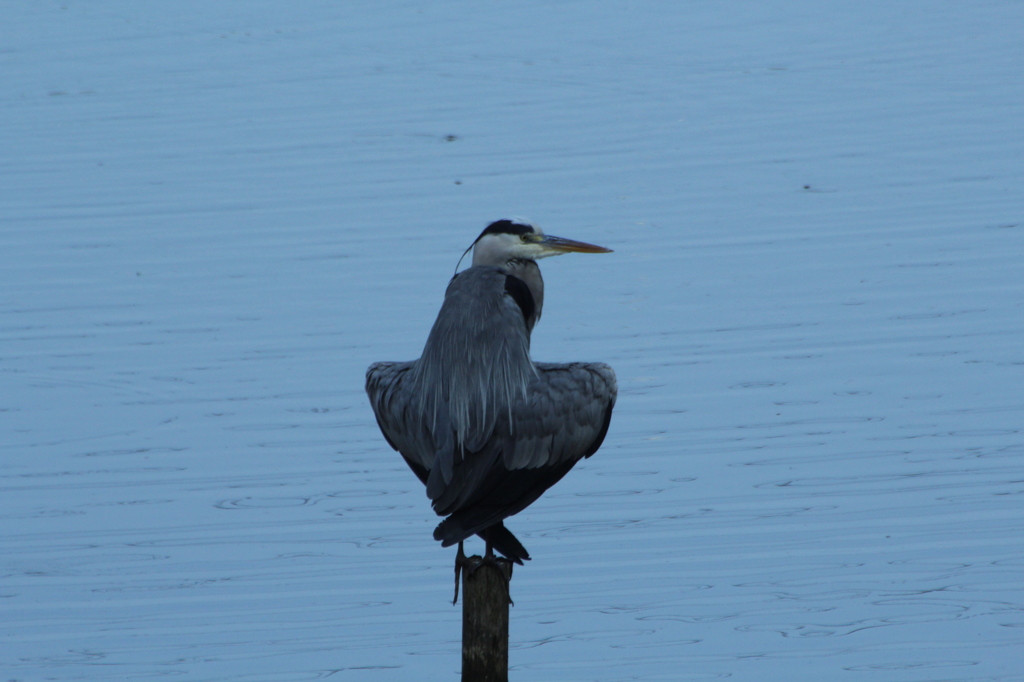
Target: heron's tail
x,y
497,535
502,540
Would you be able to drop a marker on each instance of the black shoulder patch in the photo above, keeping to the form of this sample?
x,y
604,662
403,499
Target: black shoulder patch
x,y
507,227
520,293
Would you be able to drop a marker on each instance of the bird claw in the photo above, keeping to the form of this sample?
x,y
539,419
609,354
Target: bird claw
x,y
470,565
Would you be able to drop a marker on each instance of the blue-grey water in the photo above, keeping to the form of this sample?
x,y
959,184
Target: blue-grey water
x,y
216,215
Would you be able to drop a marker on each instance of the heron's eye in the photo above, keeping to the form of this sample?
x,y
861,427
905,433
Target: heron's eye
x,y
524,237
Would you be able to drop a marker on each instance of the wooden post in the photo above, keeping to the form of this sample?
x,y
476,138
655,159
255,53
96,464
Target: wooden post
x,y
485,600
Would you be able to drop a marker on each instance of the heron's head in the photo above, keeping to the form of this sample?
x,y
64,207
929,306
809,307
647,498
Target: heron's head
x,y
506,240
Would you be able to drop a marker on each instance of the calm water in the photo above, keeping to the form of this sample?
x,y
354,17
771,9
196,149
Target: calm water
x,y
215,217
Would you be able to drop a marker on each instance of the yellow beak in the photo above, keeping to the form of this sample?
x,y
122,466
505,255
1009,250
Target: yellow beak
x,y
568,245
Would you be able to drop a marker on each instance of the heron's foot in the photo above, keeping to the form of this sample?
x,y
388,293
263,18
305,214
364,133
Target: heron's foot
x,y
504,566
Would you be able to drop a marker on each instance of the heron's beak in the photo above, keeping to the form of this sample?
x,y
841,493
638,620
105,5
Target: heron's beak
x,y
560,245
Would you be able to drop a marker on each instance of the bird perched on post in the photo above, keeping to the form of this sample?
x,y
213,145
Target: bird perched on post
x,y
485,428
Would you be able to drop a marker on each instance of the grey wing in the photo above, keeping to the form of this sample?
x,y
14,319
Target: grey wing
x,y
566,417
564,420
392,397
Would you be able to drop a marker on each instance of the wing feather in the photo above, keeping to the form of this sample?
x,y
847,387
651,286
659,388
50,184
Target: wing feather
x,y
394,403
563,419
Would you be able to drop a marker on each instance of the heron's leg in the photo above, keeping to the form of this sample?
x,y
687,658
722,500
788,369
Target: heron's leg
x,y
460,561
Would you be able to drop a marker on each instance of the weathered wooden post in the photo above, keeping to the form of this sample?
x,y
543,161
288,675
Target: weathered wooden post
x,y
485,601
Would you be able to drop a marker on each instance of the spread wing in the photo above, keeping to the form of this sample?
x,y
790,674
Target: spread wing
x,y
393,399
564,419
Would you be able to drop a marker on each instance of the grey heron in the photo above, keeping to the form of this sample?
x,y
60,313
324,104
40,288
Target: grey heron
x,y
485,428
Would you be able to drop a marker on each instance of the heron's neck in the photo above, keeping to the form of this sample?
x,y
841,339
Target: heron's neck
x,y
529,272
496,253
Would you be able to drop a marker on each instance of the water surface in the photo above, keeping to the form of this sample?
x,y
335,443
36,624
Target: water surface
x,y
215,217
